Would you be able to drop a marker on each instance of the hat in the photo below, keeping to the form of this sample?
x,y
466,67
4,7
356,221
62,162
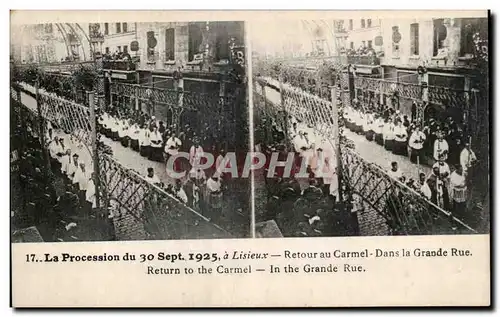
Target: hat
x,y
75,155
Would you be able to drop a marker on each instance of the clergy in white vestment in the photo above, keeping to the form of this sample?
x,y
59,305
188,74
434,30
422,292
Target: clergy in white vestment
x,y
145,142
441,148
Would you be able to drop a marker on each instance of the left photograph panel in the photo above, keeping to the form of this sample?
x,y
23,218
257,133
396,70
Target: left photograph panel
x,y
118,131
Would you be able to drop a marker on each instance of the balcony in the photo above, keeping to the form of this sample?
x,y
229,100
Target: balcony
x,y
369,60
119,65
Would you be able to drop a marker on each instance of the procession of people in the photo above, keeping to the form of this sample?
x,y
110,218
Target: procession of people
x,y
200,189
439,144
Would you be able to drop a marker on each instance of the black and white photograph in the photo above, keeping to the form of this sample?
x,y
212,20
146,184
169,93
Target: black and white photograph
x,y
117,130
381,125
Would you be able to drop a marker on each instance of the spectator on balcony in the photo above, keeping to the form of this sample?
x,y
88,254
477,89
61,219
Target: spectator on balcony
x,y
400,139
388,133
178,79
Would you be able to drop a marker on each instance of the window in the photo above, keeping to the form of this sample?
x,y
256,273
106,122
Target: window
x,y
363,43
124,27
222,42
369,23
170,44
151,50
396,38
107,50
106,28
195,40
118,27
440,33
119,48
414,39
468,28
125,49
370,44
352,45
350,24
363,23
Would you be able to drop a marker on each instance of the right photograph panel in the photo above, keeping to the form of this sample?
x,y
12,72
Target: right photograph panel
x,y
371,126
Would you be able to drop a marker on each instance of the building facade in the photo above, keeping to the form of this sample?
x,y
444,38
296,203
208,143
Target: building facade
x,y
443,46
189,45
117,37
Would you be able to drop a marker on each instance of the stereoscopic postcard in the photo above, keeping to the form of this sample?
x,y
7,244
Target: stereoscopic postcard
x,y
249,159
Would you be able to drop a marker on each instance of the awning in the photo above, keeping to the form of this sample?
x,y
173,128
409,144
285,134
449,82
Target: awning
x,y
367,69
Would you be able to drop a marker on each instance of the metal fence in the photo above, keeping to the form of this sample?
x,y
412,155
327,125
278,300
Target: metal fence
x,y
384,205
214,110
143,210
147,211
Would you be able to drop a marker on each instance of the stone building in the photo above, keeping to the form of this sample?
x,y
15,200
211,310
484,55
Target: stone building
x,y
444,46
205,46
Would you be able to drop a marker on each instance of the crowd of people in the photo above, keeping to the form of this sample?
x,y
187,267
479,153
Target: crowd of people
x,y
153,139
63,195
441,144
304,202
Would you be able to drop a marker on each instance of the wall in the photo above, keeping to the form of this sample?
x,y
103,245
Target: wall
x,y
358,34
450,56
114,39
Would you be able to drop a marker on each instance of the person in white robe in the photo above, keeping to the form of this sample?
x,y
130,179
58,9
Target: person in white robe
x,y
415,145
214,195
172,146
467,158
395,172
389,136
123,132
90,192
458,191
151,177
196,153
400,139
441,148
145,142
134,135
156,143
